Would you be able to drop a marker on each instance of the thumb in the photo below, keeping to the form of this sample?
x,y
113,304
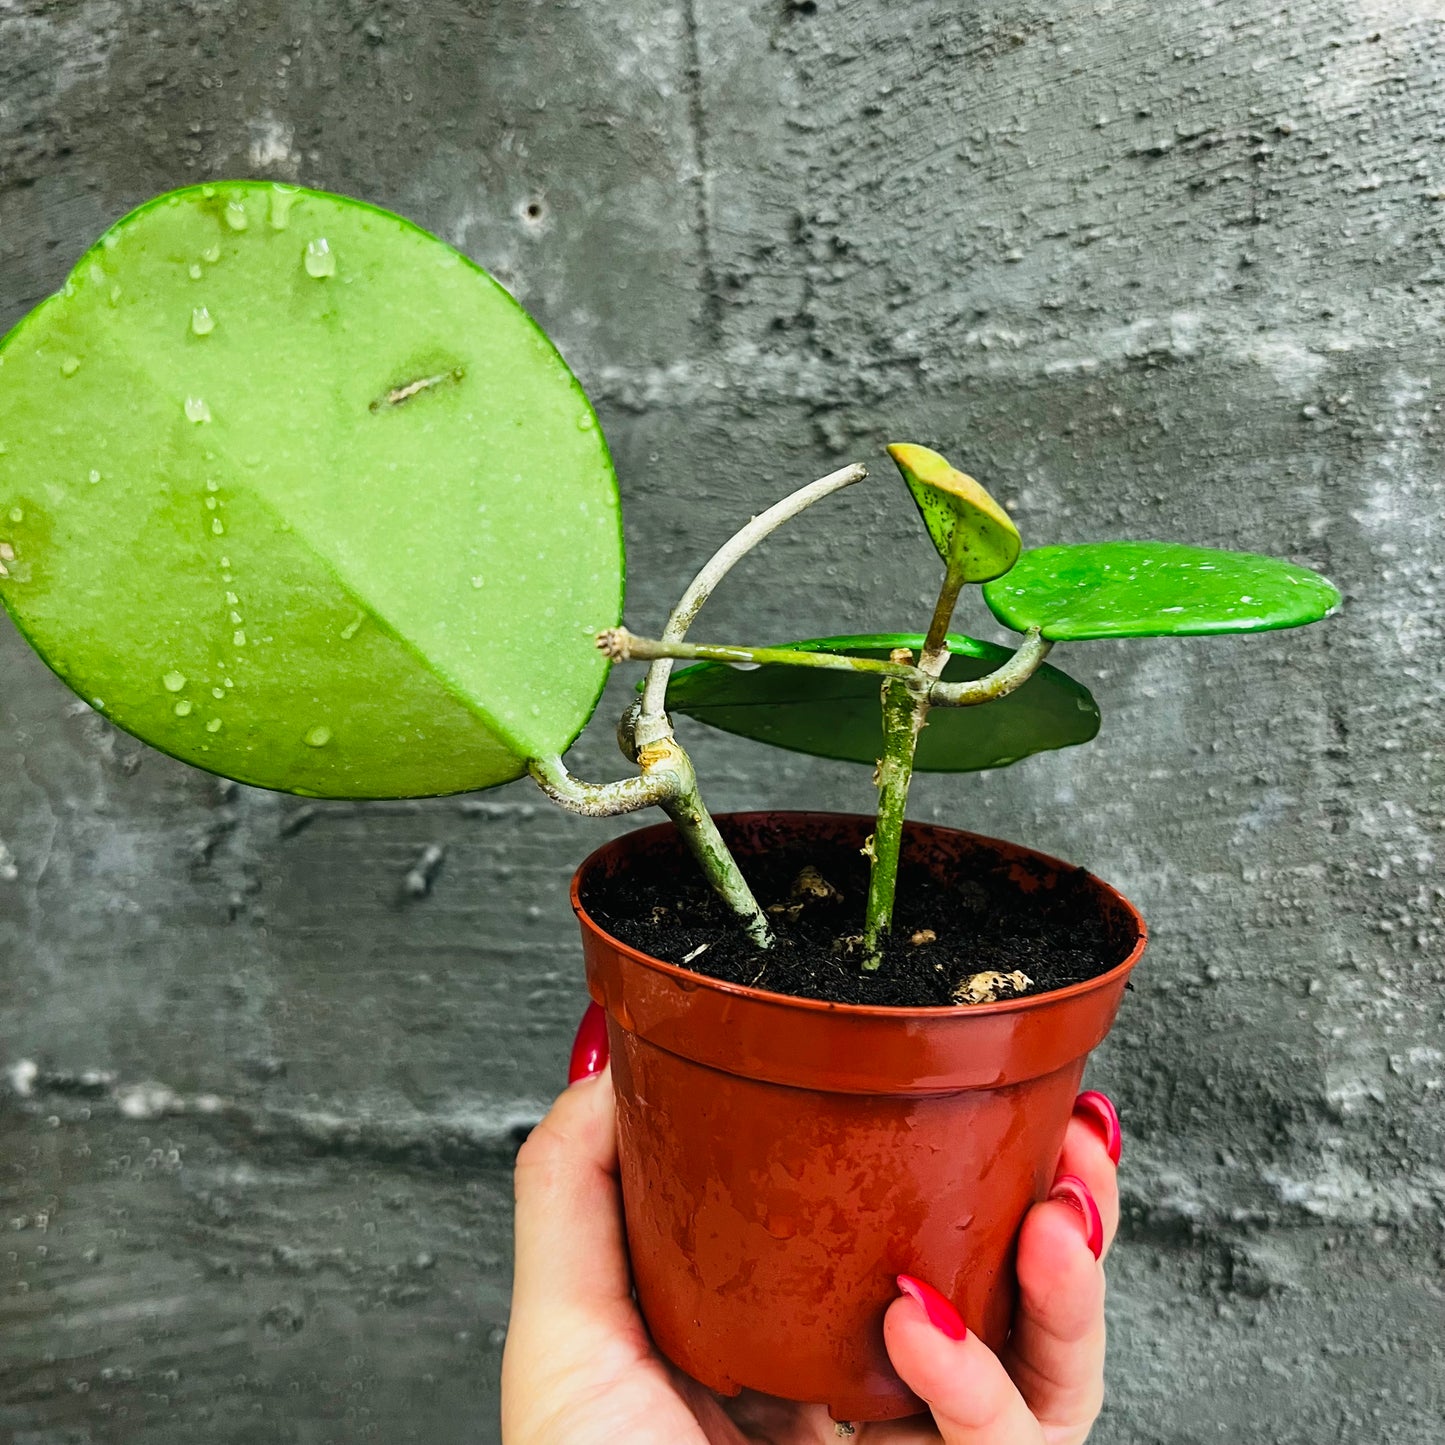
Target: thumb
x,y
959,1378
570,1248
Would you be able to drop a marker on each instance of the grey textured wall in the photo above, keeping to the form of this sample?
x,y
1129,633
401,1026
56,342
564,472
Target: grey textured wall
x,y
1167,270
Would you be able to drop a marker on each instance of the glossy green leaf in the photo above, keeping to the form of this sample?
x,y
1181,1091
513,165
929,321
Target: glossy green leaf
x,y
837,714
973,534
1154,589
297,493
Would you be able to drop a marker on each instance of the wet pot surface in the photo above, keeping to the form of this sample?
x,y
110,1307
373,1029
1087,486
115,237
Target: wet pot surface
x,y
784,1159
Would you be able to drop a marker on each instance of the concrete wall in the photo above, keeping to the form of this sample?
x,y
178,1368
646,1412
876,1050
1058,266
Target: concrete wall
x,y
1168,270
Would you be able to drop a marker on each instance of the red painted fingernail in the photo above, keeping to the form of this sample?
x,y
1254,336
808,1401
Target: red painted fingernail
x,y
589,1048
1098,1109
941,1313
1072,1190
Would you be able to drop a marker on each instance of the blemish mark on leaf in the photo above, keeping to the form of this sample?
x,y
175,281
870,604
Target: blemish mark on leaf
x,y
399,394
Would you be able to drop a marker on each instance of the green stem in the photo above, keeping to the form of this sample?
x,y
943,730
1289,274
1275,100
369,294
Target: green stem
x,y
935,645
905,714
905,711
622,646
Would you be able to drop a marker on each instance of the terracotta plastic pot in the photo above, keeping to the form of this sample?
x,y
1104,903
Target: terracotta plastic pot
x,y
784,1159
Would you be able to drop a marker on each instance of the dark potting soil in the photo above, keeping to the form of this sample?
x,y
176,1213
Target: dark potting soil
x,y
982,921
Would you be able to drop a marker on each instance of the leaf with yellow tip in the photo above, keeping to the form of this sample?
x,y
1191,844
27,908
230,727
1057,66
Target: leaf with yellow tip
x,y
974,535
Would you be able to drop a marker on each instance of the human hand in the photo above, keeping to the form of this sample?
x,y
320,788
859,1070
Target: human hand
x,y
579,1368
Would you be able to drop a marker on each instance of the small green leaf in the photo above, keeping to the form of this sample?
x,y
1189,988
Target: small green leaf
x,y
1155,589
297,493
838,715
974,535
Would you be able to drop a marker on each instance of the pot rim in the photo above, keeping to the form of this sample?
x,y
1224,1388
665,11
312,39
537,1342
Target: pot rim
x,y
679,974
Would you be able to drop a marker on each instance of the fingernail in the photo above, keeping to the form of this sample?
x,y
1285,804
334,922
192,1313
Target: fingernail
x,y
940,1311
589,1048
1098,1109
1072,1190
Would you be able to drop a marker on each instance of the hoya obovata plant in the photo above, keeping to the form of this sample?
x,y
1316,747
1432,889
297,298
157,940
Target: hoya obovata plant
x,y
295,492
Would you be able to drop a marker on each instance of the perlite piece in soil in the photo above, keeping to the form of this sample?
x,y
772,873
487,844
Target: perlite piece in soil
x,y
990,986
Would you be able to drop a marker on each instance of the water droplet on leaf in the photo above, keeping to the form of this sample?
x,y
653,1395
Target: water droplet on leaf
x,y
202,322
319,259
218,527
214,726
212,254
70,366
197,410
282,199
235,214
318,736
183,708
94,475
195,270
238,638
174,681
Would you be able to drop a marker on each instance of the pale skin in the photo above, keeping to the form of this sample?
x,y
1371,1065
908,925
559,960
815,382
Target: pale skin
x,y
579,1368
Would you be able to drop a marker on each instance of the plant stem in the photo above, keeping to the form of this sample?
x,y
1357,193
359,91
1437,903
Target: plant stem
x,y
692,819
905,714
646,734
668,781
602,800
905,711
935,645
1000,682
652,721
622,646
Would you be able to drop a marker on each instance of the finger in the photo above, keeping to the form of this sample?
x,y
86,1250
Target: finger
x,y
1056,1351
960,1379
570,1248
1087,1155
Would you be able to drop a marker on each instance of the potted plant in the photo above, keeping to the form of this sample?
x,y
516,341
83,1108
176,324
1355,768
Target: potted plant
x,y
297,494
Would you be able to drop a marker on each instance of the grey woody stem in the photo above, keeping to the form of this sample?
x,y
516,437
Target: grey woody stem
x,y
645,733
999,683
667,781
652,722
602,800
694,822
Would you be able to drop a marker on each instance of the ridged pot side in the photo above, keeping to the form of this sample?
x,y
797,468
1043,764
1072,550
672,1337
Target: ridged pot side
x,y
784,1159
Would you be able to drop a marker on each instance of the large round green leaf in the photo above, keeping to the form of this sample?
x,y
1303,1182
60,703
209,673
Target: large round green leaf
x,y
838,715
296,492
1153,589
